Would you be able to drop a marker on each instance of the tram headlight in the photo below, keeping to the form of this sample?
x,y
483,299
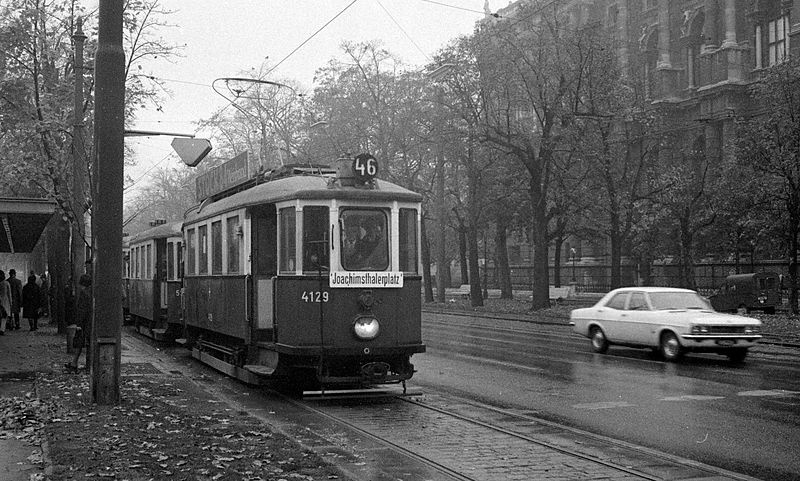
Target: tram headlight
x,y
366,327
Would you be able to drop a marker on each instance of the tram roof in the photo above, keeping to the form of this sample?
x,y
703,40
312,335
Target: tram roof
x,y
169,229
306,187
22,221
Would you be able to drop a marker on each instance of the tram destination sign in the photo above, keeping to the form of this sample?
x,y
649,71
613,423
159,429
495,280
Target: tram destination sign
x,y
221,178
366,279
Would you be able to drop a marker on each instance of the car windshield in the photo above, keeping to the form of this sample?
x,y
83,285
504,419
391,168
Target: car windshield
x,y
677,300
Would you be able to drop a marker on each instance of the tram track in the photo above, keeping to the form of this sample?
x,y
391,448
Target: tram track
x,y
470,441
440,437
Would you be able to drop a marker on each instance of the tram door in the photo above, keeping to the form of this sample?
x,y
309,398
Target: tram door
x,y
264,242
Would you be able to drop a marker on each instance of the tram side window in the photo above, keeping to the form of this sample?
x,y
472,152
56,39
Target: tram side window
x,y
171,260
265,240
190,251
216,247
179,262
288,240
233,244
408,240
315,238
202,243
365,245
149,262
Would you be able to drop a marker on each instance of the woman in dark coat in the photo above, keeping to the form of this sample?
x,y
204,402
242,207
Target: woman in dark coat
x,y
31,303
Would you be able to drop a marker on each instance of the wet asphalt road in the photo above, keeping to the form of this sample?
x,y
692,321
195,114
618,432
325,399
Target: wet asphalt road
x,y
744,418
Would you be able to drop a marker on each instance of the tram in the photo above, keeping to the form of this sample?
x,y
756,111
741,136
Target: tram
x,y
305,274
153,283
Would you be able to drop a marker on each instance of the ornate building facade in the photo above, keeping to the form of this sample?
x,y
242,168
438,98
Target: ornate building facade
x,y
696,58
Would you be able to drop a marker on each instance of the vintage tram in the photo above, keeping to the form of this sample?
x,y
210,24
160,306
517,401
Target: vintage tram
x,y
307,275
152,280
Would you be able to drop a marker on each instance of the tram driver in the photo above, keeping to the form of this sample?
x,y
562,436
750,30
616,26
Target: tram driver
x,y
365,246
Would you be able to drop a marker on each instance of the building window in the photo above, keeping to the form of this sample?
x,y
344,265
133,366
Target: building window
x,y
202,244
777,40
233,243
216,247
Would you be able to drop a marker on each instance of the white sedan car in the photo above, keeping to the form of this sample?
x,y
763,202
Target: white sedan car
x,y
668,320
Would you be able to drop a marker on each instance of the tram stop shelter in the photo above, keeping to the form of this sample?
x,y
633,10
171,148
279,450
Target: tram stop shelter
x,y
22,222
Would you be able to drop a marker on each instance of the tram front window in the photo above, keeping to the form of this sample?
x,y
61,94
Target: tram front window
x,y
364,240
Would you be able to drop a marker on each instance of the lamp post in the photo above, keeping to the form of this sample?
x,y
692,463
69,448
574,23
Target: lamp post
x,y
437,76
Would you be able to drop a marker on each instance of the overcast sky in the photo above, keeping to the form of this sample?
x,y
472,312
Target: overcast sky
x,y
225,39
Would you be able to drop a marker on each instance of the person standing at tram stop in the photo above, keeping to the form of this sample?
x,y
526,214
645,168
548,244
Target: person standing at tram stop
x,y
31,303
83,321
5,302
16,297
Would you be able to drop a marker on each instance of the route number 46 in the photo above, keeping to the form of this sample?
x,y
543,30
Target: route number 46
x,y
365,166
314,296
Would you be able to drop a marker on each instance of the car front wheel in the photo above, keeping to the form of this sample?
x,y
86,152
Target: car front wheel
x,y
599,341
670,347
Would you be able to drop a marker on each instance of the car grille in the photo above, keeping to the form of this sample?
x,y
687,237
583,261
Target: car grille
x,y
725,329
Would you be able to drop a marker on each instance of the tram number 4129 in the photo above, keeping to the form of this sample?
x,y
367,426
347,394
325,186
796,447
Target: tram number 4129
x,y
314,296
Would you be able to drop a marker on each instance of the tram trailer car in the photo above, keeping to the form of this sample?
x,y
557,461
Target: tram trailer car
x,y
308,278
154,283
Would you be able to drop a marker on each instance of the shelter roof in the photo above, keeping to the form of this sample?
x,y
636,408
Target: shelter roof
x,y
22,222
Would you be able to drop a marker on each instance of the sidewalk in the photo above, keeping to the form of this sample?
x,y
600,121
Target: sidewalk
x,y
160,430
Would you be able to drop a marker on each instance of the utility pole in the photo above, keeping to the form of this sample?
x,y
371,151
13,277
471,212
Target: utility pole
x,y
79,163
107,211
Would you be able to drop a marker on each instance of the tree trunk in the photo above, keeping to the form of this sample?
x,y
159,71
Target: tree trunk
x,y
557,243
426,262
59,268
441,237
540,298
616,260
475,293
502,270
462,254
794,230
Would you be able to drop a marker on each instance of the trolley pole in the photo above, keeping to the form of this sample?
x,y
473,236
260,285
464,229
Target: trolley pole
x,y
109,135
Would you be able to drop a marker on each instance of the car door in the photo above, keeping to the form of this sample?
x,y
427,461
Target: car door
x,y
637,319
610,316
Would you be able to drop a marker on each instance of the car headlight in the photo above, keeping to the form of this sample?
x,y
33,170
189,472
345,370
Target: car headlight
x,y
752,329
700,329
366,327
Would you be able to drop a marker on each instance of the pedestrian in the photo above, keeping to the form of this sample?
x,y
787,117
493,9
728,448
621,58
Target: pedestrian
x,y
83,321
16,297
31,302
5,302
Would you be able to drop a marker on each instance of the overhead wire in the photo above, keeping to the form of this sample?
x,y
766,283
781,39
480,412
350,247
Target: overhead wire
x,y
311,36
402,30
456,7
